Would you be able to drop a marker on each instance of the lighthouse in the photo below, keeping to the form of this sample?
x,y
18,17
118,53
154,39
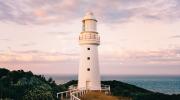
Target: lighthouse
x,y
89,40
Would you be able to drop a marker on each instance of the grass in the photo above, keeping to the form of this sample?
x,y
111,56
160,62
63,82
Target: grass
x,y
102,96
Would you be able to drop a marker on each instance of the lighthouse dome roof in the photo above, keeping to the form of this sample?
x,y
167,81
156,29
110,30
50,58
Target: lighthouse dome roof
x,y
89,15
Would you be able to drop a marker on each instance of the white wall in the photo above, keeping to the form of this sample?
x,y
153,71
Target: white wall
x,y
93,75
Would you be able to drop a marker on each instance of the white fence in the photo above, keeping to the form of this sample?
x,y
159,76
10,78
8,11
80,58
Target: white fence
x,y
75,94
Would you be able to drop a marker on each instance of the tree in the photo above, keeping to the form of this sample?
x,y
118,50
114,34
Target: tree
x,y
3,72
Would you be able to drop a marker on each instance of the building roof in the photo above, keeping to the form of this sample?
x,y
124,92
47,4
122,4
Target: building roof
x,y
89,15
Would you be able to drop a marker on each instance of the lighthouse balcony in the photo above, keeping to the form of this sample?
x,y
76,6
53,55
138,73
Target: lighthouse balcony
x,y
89,38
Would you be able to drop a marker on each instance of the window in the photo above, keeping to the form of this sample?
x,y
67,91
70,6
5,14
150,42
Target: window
x,y
88,58
88,48
88,69
83,27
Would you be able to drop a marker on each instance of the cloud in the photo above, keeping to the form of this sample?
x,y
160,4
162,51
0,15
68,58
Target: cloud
x,y
55,11
59,33
34,57
175,36
28,44
131,62
125,57
4,39
170,56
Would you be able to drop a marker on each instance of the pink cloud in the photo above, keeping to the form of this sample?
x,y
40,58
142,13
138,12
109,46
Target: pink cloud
x,y
170,56
34,56
45,12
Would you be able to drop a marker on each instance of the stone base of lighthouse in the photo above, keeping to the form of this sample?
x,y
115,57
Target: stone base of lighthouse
x,y
89,77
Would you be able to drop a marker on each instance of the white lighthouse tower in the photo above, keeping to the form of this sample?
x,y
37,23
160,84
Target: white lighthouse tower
x,y
89,40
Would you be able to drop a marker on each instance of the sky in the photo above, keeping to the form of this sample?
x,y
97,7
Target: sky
x,y
138,37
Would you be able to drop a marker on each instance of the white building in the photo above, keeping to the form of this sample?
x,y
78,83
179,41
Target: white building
x,y
89,40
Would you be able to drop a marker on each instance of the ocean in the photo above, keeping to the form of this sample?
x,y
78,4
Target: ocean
x,y
162,84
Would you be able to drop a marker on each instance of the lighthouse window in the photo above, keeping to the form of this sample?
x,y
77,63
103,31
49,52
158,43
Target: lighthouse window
x,y
83,27
88,58
88,69
88,48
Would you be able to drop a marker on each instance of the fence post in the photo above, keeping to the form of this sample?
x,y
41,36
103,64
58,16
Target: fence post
x,y
57,95
61,96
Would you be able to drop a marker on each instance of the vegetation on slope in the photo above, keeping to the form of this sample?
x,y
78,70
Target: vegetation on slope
x,y
123,89
20,85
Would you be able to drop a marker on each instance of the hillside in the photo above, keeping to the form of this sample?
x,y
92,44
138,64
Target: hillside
x,y
120,89
20,85
136,93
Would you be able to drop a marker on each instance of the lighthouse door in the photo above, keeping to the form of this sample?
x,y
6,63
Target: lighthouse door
x,y
87,84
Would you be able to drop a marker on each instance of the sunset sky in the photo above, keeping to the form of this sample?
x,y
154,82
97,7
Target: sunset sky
x,y
138,37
